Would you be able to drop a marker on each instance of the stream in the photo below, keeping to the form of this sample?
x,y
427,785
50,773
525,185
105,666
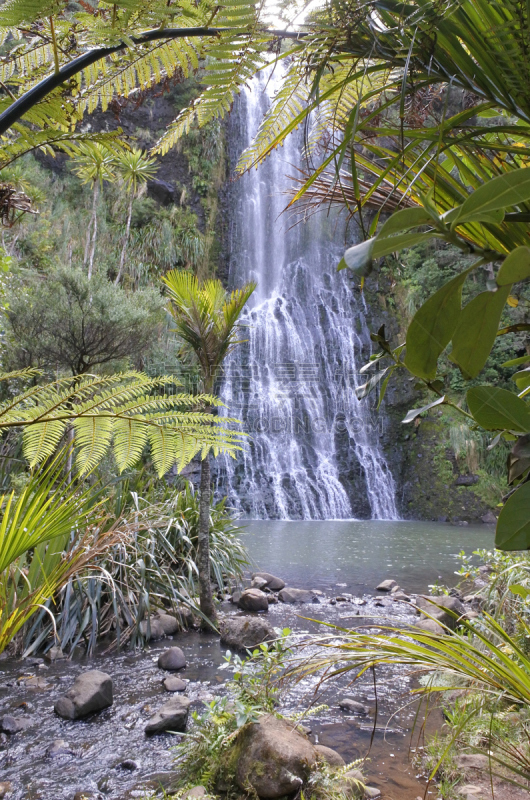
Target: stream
x,y
333,557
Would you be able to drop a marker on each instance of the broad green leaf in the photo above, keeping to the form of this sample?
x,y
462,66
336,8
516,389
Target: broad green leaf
x,y
498,409
359,258
404,220
515,267
491,217
477,330
521,448
432,328
415,412
513,525
392,244
504,191
522,591
522,379
514,362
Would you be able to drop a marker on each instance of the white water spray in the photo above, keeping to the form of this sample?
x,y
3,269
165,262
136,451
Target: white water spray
x,y
314,450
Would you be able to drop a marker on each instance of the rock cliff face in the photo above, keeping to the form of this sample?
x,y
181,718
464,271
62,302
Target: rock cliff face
x,y
428,481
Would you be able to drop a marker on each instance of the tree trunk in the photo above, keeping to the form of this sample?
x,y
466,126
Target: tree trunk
x,y
125,241
203,548
94,230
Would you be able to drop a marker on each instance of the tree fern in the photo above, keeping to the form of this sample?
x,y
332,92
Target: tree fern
x,y
121,412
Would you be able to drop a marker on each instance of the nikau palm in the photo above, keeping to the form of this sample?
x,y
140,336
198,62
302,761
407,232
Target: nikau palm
x,y
206,318
94,164
134,169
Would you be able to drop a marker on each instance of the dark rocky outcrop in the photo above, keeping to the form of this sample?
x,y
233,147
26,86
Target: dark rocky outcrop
x,y
172,716
172,659
273,758
91,691
253,600
245,633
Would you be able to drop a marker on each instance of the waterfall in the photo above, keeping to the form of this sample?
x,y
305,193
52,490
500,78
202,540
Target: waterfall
x,y
313,451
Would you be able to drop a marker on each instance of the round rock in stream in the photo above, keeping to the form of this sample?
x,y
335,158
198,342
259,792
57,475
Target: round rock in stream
x,y
10,724
172,659
246,633
174,684
386,586
253,600
172,716
273,758
170,625
290,595
91,691
271,581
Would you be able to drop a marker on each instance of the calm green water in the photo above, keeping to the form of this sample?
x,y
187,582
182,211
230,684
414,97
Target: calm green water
x,y
357,555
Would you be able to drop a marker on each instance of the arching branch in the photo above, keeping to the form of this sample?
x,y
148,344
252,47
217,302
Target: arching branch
x,y
33,96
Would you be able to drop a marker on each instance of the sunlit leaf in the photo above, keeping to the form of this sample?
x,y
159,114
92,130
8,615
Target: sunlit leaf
x,y
415,412
498,409
515,267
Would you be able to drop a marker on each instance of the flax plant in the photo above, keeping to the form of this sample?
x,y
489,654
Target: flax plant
x,y
47,534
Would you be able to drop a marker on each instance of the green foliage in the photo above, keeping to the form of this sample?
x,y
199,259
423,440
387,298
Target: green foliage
x,y
472,330
153,569
202,756
47,534
125,411
206,318
67,321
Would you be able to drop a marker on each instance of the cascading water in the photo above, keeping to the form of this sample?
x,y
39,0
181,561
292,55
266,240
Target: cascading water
x,y
314,451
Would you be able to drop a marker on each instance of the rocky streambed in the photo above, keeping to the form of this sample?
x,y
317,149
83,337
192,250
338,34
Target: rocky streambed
x,y
119,749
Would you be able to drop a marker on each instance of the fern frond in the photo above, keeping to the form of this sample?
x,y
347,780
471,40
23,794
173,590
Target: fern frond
x,y
234,61
122,412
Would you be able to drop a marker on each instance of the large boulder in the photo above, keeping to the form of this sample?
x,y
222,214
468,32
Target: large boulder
x,y
253,600
91,691
273,759
271,581
170,625
172,659
152,629
245,633
330,756
440,607
172,716
290,595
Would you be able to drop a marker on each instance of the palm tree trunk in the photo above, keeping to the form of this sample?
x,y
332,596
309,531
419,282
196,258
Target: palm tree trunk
x,y
125,242
203,548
